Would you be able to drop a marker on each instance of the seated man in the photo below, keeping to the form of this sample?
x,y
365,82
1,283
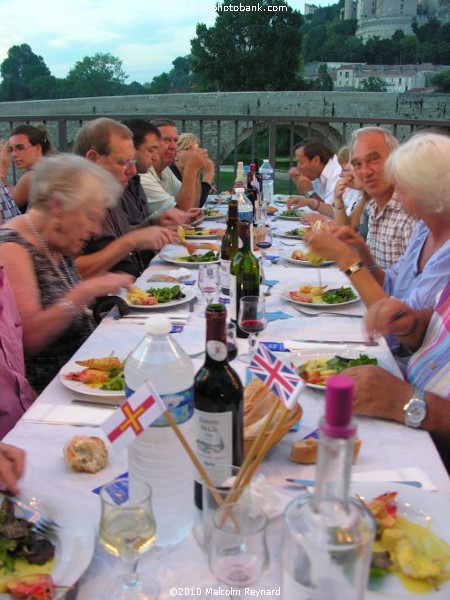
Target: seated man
x,y
162,188
422,399
119,247
315,176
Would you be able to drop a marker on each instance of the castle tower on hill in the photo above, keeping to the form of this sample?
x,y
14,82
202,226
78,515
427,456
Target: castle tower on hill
x,y
383,17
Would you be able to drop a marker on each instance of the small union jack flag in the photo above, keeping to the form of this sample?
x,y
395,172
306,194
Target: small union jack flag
x,y
133,416
277,376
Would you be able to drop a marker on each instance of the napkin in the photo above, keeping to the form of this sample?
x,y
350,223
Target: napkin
x,y
274,316
67,414
329,328
181,273
265,496
409,474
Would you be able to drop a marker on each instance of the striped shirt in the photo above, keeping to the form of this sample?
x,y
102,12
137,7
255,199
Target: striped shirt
x,y
429,368
8,207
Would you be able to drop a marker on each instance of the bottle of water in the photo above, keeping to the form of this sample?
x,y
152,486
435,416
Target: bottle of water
x,y
266,172
156,456
245,207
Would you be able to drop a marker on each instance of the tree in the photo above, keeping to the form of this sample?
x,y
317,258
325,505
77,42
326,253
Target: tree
x,y
160,84
441,81
372,84
98,75
323,81
18,70
247,50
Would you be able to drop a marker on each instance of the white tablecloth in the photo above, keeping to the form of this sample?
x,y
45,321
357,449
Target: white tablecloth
x,y
384,444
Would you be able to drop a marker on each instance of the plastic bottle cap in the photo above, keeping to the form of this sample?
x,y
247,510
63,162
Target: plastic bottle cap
x,y
158,325
339,406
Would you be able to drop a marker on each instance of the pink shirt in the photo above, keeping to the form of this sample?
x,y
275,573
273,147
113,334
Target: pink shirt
x,y
15,396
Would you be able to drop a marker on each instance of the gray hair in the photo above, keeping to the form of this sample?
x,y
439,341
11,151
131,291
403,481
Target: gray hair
x,y
390,139
96,135
423,165
74,181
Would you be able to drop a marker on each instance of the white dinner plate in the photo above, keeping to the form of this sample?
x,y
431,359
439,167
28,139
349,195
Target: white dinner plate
x,y
82,388
177,256
75,545
188,294
330,286
301,356
281,199
285,234
302,263
297,218
209,236
428,509
218,214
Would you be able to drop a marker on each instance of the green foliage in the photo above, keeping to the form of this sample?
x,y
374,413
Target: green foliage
x,y
98,75
372,84
441,81
247,50
21,67
323,81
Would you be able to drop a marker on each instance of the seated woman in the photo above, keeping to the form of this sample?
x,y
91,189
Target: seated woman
x,y
27,145
187,143
419,169
380,394
68,201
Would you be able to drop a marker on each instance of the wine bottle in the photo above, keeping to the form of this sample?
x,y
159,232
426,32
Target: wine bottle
x,y
329,536
244,275
230,245
218,405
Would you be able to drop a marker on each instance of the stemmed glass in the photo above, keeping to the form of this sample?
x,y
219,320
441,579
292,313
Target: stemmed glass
x,y
127,530
252,319
264,239
209,281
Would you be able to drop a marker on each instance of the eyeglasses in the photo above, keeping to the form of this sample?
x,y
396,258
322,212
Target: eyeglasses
x,y
126,164
19,147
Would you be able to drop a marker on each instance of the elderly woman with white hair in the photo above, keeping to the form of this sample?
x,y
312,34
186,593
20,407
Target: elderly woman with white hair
x,y
188,143
68,200
420,171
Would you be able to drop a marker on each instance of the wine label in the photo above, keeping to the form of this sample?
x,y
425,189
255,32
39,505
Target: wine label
x,y
225,275
216,350
214,442
233,304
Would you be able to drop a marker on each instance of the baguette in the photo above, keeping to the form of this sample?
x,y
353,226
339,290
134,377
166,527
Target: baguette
x,y
304,452
86,454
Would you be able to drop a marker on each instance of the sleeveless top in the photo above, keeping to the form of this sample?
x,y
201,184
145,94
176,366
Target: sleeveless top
x,y
42,368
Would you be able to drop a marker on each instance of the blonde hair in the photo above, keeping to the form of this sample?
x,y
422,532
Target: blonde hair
x,y
186,141
423,165
74,180
343,155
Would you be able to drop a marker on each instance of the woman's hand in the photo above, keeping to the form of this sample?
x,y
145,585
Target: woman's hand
x,y
330,247
390,316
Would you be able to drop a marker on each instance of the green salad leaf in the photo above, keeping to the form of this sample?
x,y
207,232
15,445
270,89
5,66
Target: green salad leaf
x,y
166,294
340,363
114,383
338,295
209,256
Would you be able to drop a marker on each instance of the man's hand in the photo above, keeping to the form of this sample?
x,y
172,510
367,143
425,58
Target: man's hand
x,y
330,247
378,393
12,463
299,202
152,238
390,316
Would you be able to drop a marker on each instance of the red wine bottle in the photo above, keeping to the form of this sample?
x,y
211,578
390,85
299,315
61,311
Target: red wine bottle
x,y
218,405
230,245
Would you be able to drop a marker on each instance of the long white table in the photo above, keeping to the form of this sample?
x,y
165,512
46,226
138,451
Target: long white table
x,y
384,444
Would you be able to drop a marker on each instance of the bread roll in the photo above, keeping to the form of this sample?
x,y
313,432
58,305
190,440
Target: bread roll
x,y
304,452
271,210
86,454
161,277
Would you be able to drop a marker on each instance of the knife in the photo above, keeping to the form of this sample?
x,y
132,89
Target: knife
x,y
332,342
311,482
96,404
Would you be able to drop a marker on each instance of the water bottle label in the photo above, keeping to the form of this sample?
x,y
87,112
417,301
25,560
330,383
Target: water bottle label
x,y
246,215
180,406
267,177
214,442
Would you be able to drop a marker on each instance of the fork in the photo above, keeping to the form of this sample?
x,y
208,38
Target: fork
x,y
327,314
43,525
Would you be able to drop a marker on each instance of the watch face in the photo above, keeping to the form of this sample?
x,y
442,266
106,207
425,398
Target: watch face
x,y
415,412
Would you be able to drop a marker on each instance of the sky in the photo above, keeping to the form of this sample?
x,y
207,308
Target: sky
x,y
147,35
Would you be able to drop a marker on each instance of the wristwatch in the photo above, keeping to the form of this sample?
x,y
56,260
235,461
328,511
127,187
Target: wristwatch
x,y
310,193
415,410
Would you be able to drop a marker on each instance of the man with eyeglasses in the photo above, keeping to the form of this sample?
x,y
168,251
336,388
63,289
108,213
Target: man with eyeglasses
x,y
120,246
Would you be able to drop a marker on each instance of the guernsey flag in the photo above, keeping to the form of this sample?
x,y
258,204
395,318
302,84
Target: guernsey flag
x,y
133,416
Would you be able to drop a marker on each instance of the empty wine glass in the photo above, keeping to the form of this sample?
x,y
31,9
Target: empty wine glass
x,y
252,319
127,530
209,281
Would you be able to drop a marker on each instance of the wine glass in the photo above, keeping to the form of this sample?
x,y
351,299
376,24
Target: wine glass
x,y
252,319
209,281
264,239
127,530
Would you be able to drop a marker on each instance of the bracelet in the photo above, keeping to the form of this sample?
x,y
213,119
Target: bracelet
x,y
69,307
373,268
352,269
337,207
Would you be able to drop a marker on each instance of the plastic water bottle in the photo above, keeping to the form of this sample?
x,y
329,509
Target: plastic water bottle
x,y
245,207
266,172
156,456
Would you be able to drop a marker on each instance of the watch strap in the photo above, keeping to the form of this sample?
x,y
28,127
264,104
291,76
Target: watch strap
x,y
352,269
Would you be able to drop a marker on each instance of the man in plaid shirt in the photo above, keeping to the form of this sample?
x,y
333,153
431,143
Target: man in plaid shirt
x,y
389,228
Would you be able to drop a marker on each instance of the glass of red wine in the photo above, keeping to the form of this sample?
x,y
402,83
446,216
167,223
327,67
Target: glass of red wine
x,y
252,319
208,281
264,240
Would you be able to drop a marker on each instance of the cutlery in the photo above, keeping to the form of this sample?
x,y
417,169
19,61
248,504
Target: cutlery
x,y
311,482
95,404
332,342
327,314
